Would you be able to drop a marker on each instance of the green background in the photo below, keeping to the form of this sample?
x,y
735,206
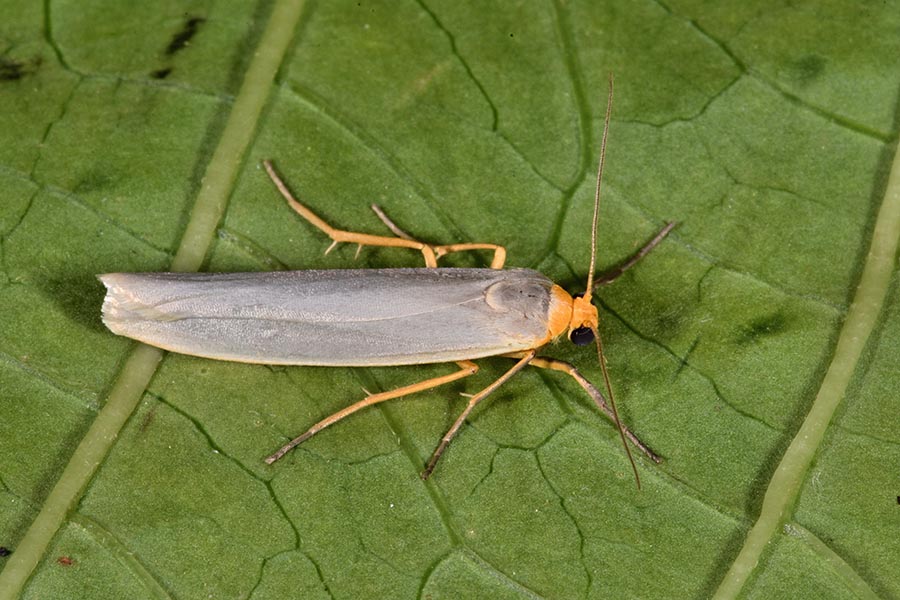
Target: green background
x,y
766,130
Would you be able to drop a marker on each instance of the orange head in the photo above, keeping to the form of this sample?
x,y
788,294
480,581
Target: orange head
x,y
573,314
584,321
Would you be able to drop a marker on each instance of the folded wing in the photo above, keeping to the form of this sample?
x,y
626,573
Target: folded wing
x,y
349,317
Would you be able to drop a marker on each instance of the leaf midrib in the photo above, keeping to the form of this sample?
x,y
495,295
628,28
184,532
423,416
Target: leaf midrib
x,y
865,310
140,366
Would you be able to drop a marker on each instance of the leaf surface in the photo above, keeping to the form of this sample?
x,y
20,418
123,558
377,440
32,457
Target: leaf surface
x,y
132,138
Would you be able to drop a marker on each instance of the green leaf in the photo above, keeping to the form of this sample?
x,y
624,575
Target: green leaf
x,y
755,349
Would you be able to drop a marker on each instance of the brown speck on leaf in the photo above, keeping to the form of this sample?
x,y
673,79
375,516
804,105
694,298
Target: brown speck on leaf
x,y
182,39
13,70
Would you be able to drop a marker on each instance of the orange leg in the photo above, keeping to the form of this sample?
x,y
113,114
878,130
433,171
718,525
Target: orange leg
x,y
496,262
466,368
596,396
403,240
473,402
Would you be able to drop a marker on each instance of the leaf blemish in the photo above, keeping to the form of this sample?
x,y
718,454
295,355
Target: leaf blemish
x,y
767,325
13,70
181,39
807,69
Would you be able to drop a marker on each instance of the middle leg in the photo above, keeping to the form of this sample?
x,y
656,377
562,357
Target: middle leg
x,y
497,261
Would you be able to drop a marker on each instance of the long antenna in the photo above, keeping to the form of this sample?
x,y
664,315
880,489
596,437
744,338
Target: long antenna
x,y
596,220
612,404
590,283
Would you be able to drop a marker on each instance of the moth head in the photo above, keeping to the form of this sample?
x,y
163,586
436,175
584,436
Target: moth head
x,y
583,325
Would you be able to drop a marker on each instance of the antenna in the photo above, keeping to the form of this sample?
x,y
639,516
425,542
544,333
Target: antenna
x,y
596,219
590,283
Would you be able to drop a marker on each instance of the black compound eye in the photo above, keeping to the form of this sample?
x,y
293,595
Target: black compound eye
x,y
582,336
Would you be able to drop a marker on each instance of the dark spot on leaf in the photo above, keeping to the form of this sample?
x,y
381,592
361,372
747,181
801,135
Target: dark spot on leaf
x,y
806,69
665,320
10,70
92,180
161,73
13,70
148,420
767,325
4,551
66,561
181,39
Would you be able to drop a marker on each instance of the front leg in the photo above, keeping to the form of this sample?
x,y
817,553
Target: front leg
x,y
596,396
